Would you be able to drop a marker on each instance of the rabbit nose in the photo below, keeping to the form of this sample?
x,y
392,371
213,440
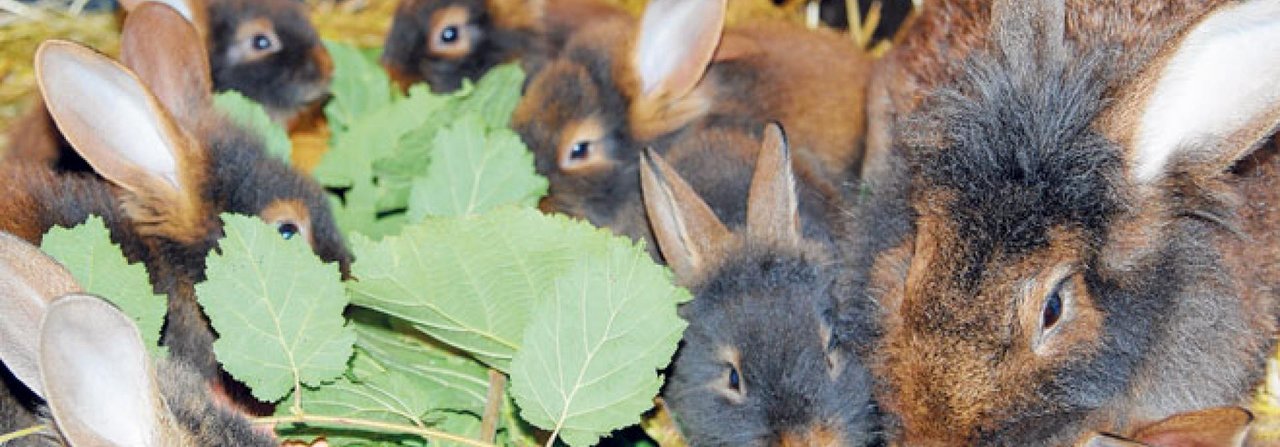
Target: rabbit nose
x,y
817,435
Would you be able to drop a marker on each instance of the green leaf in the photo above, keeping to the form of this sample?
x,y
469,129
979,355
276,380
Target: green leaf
x,y
278,309
592,351
374,135
470,282
473,172
250,114
496,95
359,86
456,383
101,268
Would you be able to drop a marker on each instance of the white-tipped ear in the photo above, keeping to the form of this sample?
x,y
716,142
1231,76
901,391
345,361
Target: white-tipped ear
x,y
184,7
1215,90
677,39
99,381
29,281
108,116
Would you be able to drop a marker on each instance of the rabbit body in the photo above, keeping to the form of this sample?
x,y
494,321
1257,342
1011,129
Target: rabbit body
x,y
166,166
1046,266
587,115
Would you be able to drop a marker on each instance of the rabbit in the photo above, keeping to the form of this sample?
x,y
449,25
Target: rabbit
x,y
443,42
1215,427
757,365
86,362
267,50
166,163
1090,241
619,86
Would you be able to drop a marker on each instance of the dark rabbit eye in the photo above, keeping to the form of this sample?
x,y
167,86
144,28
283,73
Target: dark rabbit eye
x,y
261,42
1052,307
288,230
734,381
580,150
449,34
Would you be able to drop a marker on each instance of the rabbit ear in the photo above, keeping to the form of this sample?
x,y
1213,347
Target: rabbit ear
x,y
167,54
687,230
677,39
29,281
185,7
1101,440
1211,93
115,123
100,385
1216,427
772,203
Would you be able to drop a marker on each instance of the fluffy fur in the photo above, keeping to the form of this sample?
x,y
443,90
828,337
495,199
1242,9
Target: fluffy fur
x,y
1012,187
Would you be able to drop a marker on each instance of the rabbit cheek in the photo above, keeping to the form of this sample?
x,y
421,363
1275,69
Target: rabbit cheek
x,y
255,40
817,436
291,219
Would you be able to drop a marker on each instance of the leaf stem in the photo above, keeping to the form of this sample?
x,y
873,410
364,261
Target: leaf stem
x,y
492,405
352,422
22,433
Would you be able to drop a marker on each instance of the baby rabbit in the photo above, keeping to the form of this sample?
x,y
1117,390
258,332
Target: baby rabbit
x,y
266,49
86,360
169,164
443,42
757,365
619,86
1093,243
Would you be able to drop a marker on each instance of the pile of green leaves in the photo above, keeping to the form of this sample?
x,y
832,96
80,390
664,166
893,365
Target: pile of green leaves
x,y
471,318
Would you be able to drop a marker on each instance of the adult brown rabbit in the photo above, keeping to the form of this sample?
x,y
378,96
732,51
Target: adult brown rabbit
x,y
267,50
444,42
757,365
162,178
1094,241
619,86
86,362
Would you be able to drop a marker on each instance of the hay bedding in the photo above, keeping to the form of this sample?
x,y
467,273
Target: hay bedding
x,y
23,25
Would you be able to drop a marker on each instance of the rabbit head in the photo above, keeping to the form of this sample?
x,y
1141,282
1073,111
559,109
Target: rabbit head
x,y
758,365
87,361
1077,260
444,42
587,114
267,50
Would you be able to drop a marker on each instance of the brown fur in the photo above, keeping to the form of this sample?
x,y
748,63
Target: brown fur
x,y
961,357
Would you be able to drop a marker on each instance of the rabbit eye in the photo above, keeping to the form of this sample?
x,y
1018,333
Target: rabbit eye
x,y
735,382
580,150
449,34
1052,307
288,230
261,42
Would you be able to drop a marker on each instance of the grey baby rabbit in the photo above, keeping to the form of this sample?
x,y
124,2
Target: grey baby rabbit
x,y
758,364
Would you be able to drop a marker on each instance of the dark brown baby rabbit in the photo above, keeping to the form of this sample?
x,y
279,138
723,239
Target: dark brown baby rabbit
x,y
167,175
620,86
266,49
444,42
86,362
757,365
1094,244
